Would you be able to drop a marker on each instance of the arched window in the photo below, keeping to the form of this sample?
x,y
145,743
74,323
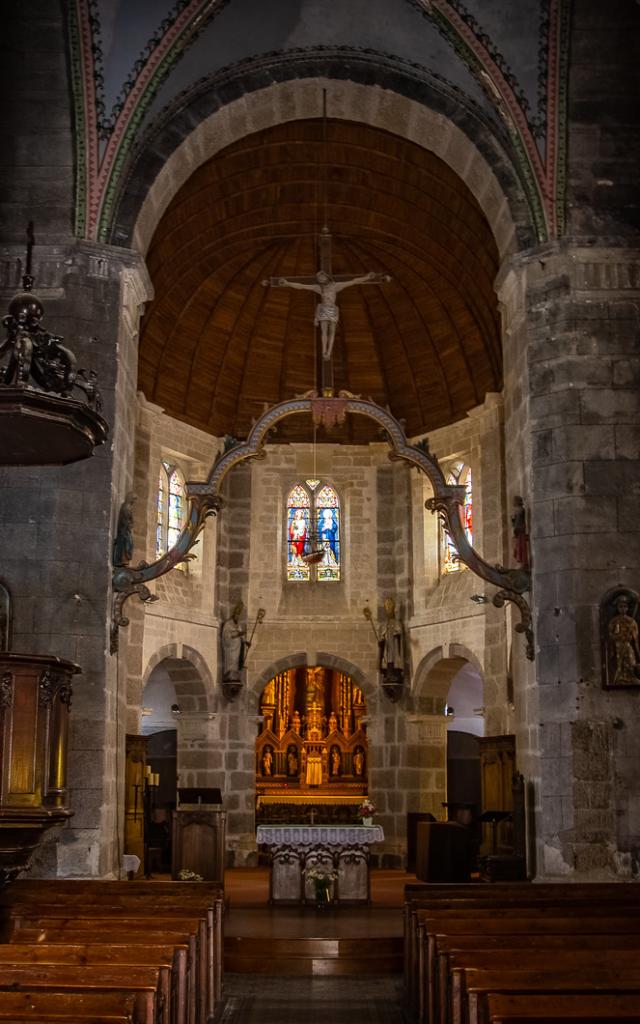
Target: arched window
x,y
317,503
458,473
171,509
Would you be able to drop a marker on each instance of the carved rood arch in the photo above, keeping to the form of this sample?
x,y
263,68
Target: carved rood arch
x,y
205,500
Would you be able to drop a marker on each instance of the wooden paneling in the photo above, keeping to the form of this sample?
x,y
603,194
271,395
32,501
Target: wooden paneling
x,y
216,345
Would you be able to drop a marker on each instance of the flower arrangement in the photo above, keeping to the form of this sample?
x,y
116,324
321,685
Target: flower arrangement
x,y
366,809
320,875
186,875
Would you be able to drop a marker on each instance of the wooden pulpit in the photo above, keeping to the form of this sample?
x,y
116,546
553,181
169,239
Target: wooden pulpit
x,y
35,696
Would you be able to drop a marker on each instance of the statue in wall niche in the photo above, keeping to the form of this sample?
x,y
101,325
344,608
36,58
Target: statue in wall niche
x,y
123,541
358,762
267,761
335,761
234,645
292,761
620,638
520,536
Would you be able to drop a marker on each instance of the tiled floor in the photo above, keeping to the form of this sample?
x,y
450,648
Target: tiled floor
x,y
264,999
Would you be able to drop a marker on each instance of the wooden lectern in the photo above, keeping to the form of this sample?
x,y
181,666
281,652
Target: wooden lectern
x,y
199,834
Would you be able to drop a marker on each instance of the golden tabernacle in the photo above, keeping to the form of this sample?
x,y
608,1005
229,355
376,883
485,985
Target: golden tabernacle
x,y
311,753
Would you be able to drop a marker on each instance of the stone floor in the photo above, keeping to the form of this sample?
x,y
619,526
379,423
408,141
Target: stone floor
x,y
264,999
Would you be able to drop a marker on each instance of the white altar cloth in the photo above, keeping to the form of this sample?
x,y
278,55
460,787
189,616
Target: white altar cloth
x,y
310,835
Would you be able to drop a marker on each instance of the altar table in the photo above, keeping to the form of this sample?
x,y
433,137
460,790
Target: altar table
x,y
343,849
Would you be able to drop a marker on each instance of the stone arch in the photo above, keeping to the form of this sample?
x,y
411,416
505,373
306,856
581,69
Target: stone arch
x,y
162,164
321,658
189,674
436,672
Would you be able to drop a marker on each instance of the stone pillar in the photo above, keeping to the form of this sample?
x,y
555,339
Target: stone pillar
x,y
57,525
572,440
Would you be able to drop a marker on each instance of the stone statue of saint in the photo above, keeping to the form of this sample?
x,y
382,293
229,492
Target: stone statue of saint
x,y
622,646
123,541
327,287
335,761
233,645
267,761
391,640
358,762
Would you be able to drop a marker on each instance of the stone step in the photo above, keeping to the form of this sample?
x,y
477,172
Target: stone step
x,y
323,956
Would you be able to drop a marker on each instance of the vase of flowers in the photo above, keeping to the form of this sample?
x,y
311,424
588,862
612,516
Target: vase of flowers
x,y
322,878
366,810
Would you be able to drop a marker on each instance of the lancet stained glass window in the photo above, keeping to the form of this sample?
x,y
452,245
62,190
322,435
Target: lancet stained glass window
x,y
318,505
328,524
298,529
171,510
459,473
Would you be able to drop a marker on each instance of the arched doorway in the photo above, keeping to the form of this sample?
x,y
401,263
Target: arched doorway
x,y
312,752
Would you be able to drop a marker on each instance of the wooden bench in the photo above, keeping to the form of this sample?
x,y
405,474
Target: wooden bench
x,y
500,914
206,896
145,983
69,1007
187,916
563,980
593,1008
420,896
170,960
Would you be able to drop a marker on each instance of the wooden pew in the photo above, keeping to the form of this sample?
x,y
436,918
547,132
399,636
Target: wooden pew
x,y
61,931
556,982
594,1008
138,897
145,983
171,961
69,1007
476,904
427,895
532,951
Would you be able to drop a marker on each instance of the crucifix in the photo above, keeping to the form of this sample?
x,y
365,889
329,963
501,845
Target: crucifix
x,y
326,284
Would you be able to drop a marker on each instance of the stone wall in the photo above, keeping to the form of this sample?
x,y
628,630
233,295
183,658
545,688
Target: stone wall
x,y
577,422
56,537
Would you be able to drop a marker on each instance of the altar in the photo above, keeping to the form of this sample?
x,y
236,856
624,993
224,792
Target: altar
x,y
295,849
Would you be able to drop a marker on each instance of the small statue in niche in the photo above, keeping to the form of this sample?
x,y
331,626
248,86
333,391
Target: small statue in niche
x,y
358,762
123,541
335,761
333,723
234,645
292,761
620,638
267,761
520,536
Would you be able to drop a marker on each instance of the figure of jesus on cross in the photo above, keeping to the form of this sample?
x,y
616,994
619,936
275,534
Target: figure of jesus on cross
x,y
327,286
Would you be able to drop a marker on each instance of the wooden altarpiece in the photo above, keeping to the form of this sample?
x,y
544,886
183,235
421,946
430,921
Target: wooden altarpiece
x,y
312,752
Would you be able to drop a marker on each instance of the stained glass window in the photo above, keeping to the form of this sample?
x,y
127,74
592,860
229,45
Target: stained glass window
x,y
328,525
314,508
171,509
298,529
459,474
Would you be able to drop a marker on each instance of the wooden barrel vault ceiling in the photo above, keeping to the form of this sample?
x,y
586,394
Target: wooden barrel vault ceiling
x,y
216,345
